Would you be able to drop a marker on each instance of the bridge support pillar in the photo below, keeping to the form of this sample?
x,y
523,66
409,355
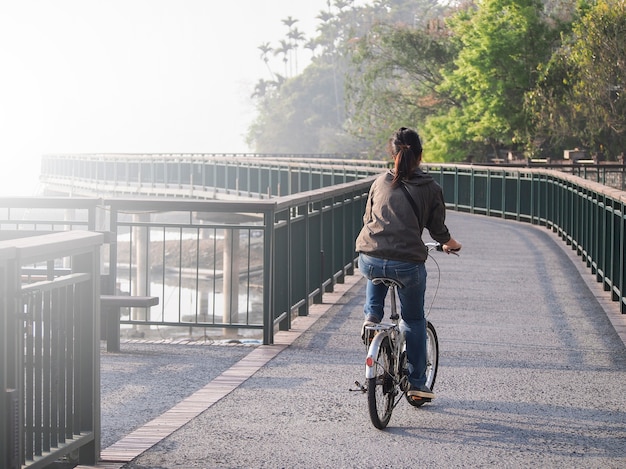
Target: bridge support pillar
x,y
141,240
231,281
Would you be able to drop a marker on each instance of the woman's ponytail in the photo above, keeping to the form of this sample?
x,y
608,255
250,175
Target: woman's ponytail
x,y
406,149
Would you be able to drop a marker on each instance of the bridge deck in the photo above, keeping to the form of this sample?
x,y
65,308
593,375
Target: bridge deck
x,y
532,373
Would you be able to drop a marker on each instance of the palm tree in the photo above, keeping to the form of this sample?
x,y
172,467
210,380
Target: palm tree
x,y
296,36
265,49
341,4
285,47
311,44
289,21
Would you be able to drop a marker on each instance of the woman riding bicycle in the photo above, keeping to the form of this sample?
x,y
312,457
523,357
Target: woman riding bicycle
x,y
401,203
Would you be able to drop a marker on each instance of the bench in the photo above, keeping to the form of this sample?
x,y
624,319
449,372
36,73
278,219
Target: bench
x,y
111,306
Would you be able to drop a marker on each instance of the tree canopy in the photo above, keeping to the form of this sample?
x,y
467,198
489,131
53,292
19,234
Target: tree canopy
x,y
475,78
579,97
501,42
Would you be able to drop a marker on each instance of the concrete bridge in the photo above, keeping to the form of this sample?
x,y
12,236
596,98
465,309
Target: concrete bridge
x,y
532,373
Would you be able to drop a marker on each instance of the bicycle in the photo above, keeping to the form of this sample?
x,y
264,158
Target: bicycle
x,y
386,366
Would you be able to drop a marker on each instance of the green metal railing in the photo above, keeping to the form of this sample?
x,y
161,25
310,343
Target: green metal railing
x,y
588,216
285,251
201,176
216,266
50,349
309,228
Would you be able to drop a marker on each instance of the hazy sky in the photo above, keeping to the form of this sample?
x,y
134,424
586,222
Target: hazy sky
x,y
154,76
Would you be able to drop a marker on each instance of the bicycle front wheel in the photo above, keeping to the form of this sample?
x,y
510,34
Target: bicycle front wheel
x,y
432,355
381,389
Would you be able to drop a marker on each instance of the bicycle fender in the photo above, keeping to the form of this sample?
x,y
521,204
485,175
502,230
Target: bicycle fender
x,y
373,352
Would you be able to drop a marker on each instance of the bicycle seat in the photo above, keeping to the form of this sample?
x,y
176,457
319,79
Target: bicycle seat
x,y
389,282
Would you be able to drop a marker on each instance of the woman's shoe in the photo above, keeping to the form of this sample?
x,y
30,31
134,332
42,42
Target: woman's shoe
x,y
420,392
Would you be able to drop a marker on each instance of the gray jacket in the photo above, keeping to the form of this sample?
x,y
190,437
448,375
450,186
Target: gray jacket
x,y
391,230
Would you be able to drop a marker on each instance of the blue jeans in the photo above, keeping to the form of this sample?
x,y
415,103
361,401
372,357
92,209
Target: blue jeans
x,y
413,323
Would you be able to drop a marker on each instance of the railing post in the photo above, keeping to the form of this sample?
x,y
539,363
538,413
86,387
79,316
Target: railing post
x,y
307,256
88,353
10,362
622,252
268,277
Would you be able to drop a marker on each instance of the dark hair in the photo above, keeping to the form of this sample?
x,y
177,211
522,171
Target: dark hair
x,y
405,147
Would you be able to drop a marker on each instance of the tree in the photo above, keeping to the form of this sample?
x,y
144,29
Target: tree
x,y
266,49
398,68
284,49
500,42
296,37
299,117
305,114
580,95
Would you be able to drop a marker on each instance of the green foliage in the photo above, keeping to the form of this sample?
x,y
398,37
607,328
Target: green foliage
x,y
304,117
579,98
397,70
555,120
304,113
312,105
501,42
600,55
477,79
598,58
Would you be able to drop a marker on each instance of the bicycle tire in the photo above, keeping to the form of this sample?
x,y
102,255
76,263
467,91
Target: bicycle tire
x,y
432,362
432,355
381,389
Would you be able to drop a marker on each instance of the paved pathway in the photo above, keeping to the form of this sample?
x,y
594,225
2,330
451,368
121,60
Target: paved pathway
x,y
532,374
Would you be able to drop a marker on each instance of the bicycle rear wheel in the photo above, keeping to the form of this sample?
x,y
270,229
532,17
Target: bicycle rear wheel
x,y
432,361
381,390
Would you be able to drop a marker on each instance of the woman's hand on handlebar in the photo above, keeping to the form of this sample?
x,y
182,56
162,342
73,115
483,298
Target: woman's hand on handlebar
x,y
452,246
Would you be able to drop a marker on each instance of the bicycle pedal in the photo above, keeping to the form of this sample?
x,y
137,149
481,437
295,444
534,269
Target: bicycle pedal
x,y
418,401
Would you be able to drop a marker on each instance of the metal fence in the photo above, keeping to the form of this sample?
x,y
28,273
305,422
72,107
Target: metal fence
x,y
611,174
27,216
49,349
225,268
184,251
201,176
221,269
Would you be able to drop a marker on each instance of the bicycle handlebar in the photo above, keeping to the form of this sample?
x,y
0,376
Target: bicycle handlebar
x,y
439,247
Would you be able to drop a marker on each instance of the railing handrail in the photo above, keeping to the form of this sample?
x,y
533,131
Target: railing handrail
x,y
617,194
42,248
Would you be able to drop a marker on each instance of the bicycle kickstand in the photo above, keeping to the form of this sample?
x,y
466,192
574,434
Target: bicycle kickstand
x,y
360,387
